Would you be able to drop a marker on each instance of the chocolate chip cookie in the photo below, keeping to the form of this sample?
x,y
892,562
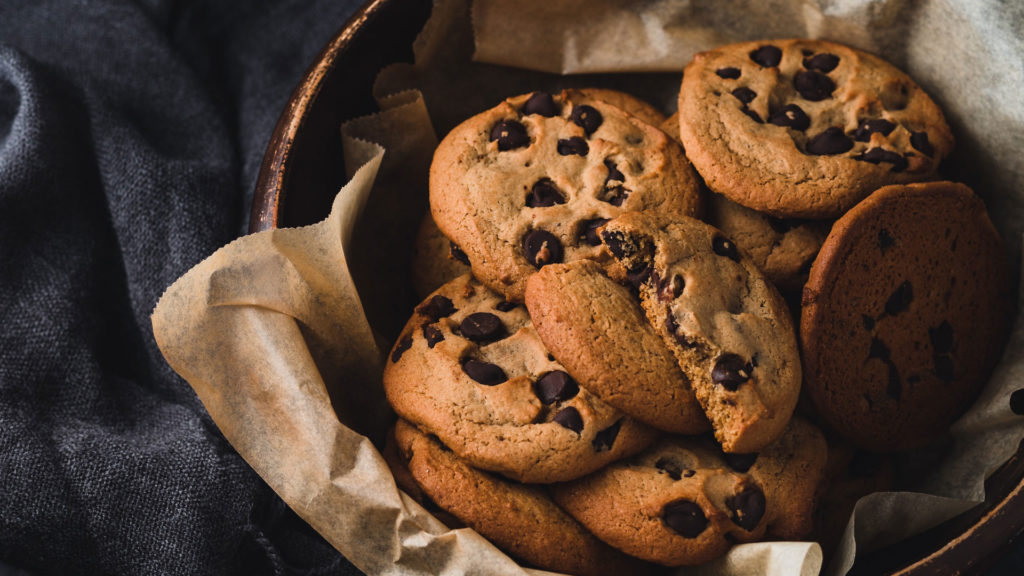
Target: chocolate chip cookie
x,y
728,327
436,260
524,184
905,314
597,330
626,102
470,369
806,128
684,502
518,518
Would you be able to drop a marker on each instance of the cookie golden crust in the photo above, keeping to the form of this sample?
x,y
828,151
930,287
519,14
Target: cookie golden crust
x,y
806,128
525,183
518,518
470,369
905,313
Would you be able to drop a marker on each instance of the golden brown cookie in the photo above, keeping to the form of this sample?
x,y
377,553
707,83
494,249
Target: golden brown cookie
x,y
806,128
436,260
905,314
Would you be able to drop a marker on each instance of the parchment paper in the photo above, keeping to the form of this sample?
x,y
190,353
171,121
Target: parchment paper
x,y
281,333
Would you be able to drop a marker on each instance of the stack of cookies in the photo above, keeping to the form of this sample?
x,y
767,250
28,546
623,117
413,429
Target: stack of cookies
x,y
605,369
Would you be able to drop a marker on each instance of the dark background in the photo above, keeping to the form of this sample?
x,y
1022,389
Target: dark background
x,y
131,134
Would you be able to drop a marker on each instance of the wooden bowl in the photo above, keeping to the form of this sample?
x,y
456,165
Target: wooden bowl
x,y
303,169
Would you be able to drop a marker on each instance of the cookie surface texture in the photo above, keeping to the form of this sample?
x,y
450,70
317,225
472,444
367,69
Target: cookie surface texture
x,y
904,315
597,330
728,327
518,518
435,259
806,128
522,185
470,369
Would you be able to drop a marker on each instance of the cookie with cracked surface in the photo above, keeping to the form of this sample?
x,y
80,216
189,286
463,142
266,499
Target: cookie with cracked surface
x,y
597,330
904,315
436,260
684,501
522,185
727,325
520,519
470,369
803,128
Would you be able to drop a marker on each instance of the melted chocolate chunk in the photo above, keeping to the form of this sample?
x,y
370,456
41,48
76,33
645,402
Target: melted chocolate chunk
x,y
618,244
744,94
639,276
752,115
604,439
823,62
569,418
831,141
730,371
791,116
586,117
671,288
729,73
555,387
482,327
885,240
542,247
1017,402
432,335
669,466
684,518
543,194
879,350
879,155
813,86
510,135
613,172
590,231
457,253
942,338
895,387
436,308
725,247
943,367
484,372
541,103
505,306
739,462
767,56
919,140
900,299
574,145
747,507
615,195
400,348
867,127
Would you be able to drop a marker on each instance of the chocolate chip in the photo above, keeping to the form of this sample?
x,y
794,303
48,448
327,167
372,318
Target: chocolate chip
x,y
941,337
864,464
791,116
542,247
739,462
867,127
885,240
869,322
505,306
590,230
543,194
604,439
943,367
671,288
900,299
432,335
574,145
484,372
586,117
541,103
919,140
615,195
685,518
618,244
744,94
482,327
400,348
1017,402
747,507
813,86
436,308
831,141
729,73
895,387
879,155
555,386
509,134
878,350
725,247
613,172
457,253
767,56
752,115
569,418
639,276
730,371
822,62
671,467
